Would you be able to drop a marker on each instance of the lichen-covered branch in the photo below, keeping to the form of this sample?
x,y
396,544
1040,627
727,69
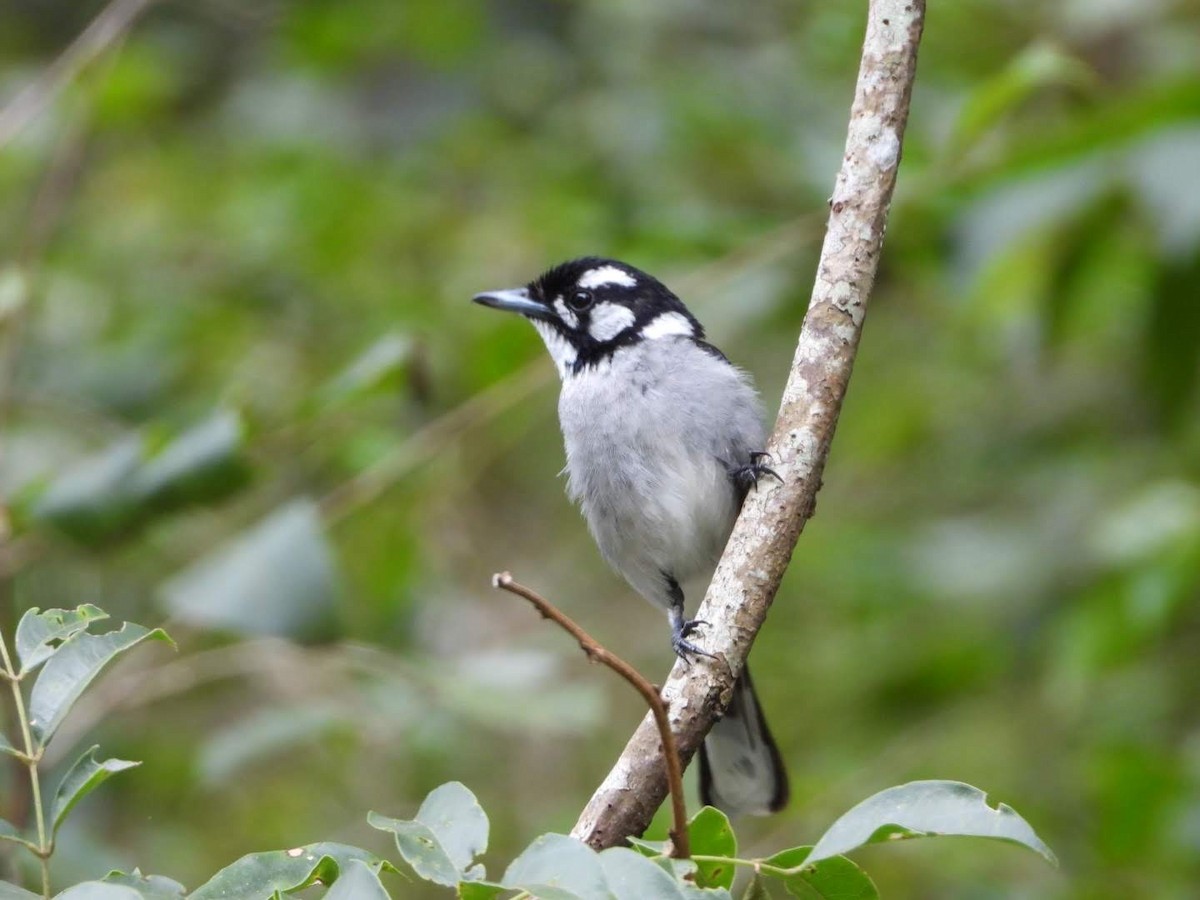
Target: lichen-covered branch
x,y
761,545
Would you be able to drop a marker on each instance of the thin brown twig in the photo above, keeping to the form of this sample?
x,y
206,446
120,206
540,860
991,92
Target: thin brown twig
x,y
680,848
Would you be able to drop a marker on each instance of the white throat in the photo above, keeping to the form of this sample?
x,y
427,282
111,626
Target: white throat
x,y
560,348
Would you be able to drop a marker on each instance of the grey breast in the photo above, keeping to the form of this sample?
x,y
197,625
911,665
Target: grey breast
x,y
650,436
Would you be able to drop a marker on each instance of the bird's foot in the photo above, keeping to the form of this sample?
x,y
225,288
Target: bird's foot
x,y
749,475
684,648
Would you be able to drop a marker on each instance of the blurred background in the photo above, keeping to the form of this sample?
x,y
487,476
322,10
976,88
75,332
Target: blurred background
x,y
245,395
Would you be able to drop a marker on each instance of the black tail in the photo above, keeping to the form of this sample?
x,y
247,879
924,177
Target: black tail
x,y
741,772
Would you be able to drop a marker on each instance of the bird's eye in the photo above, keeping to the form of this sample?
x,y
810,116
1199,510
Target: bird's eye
x,y
580,300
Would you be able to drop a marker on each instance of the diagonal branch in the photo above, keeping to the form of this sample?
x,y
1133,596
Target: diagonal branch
x,y
761,545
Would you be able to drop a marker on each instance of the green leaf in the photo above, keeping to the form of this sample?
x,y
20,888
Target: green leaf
x,y
711,835
684,873
630,876
72,669
557,867
9,891
756,889
40,634
91,499
455,816
1105,126
378,365
479,890
790,858
1169,359
694,892
278,577
649,848
926,809
358,881
148,887
836,878
420,848
201,464
118,487
98,890
441,843
83,778
1038,67
257,876
5,746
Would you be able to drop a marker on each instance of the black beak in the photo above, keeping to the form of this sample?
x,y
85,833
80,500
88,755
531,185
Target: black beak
x,y
515,300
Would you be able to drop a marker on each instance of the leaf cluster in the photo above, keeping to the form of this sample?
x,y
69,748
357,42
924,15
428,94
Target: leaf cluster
x,y
442,843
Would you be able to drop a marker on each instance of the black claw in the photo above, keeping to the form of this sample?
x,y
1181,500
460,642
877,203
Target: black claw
x,y
684,648
691,627
756,464
749,475
767,470
681,627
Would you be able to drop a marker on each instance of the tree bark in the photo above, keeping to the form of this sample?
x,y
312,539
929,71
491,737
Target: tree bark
x,y
772,518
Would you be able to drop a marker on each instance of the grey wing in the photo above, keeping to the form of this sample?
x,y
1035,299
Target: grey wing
x,y
735,418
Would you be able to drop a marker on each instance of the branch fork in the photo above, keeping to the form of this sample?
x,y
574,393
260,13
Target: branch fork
x,y
596,652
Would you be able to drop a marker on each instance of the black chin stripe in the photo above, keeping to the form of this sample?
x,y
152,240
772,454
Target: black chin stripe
x,y
591,359
592,355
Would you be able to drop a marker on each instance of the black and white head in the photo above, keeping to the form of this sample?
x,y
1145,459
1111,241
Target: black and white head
x,y
587,309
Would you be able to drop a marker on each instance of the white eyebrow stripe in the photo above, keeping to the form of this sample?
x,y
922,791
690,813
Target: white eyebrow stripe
x,y
668,324
603,275
610,319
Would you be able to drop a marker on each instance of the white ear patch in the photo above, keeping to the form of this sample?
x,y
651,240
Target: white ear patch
x,y
603,275
672,323
560,348
608,320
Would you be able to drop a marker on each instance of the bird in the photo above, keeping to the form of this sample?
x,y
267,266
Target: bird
x,y
664,438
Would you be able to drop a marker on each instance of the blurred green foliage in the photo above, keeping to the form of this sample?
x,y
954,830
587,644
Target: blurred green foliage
x,y
238,250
